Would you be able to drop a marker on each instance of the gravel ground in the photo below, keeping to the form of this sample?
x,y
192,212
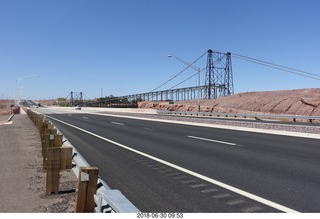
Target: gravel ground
x,y
22,176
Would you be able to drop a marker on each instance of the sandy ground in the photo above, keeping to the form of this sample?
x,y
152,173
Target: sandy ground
x,y
23,180
292,102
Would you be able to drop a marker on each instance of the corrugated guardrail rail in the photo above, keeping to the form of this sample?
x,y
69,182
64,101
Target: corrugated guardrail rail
x,y
255,116
107,200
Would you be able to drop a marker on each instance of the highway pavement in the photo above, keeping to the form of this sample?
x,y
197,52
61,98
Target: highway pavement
x,y
165,167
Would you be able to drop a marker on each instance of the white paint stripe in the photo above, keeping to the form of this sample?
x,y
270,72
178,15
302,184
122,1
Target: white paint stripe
x,y
228,127
6,123
216,141
117,123
85,117
205,178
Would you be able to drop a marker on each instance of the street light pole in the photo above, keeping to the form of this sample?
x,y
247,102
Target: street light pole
x,y
195,68
198,90
20,79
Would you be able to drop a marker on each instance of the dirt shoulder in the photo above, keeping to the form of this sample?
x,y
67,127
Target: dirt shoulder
x,y
23,179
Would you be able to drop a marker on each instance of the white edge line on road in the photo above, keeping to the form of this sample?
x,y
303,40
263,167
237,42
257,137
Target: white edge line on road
x,y
205,178
212,140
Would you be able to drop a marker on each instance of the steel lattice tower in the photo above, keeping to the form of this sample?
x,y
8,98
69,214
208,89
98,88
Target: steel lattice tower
x,y
219,77
76,98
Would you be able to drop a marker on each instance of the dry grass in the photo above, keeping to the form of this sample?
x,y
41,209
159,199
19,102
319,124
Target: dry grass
x,y
5,108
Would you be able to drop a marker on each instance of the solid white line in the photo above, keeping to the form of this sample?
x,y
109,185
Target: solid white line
x,y
117,123
207,139
205,178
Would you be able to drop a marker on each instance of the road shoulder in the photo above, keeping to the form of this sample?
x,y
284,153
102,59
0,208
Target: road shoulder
x,y
23,179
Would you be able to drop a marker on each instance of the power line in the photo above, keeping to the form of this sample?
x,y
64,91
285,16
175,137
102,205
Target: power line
x,y
178,73
186,79
279,67
218,60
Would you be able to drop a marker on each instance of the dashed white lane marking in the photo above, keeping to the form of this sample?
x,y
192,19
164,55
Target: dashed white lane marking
x,y
212,140
117,123
180,177
85,117
189,181
236,202
209,190
190,172
198,186
252,209
221,196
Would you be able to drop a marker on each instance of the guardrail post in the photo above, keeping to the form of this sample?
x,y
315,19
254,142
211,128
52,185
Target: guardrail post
x,y
87,187
55,158
48,143
58,140
43,129
51,139
53,168
66,158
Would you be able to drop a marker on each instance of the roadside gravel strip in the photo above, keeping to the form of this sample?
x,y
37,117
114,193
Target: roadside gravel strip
x,y
23,180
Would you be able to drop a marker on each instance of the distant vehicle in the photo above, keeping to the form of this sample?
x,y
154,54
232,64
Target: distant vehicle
x,y
78,107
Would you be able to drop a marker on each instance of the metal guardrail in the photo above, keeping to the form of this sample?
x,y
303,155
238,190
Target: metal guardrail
x,y
107,200
294,118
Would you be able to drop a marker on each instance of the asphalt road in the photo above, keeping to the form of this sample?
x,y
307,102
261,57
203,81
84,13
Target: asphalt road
x,y
259,172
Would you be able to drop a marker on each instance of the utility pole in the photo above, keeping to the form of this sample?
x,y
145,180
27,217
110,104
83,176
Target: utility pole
x,y
16,95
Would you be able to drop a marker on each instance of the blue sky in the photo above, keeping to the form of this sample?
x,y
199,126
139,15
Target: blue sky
x,y
121,46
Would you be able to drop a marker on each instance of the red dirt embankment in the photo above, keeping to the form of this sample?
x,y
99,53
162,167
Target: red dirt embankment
x,y
294,102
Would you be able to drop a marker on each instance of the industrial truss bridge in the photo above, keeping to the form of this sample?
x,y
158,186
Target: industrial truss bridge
x,y
218,83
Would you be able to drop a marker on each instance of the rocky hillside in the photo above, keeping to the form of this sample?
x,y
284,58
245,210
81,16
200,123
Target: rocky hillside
x,y
295,102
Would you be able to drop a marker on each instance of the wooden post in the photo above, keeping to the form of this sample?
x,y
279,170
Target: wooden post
x,y
51,140
40,121
48,143
87,187
53,131
42,132
57,158
66,158
53,168
50,126
58,140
